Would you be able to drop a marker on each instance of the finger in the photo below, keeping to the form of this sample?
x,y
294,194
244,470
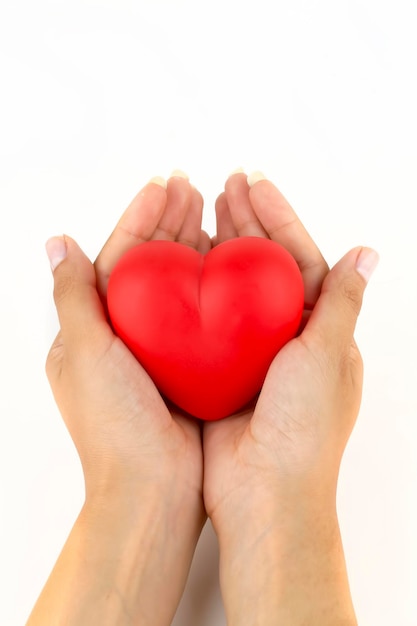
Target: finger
x,y
191,227
283,226
136,225
334,317
78,304
205,243
243,216
224,223
179,193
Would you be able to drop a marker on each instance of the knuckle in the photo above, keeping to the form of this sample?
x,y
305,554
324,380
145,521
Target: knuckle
x,y
187,241
351,366
63,287
352,295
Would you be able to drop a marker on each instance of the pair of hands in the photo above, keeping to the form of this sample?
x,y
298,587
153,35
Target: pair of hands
x,y
248,472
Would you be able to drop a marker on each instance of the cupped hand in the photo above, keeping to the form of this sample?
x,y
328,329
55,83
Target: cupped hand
x,y
296,431
123,431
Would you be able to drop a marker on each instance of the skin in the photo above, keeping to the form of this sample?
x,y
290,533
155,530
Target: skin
x,y
266,477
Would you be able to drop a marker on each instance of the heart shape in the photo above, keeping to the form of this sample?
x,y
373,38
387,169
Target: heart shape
x,y
206,328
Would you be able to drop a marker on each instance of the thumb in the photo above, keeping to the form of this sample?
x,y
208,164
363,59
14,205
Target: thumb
x,y
78,305
336,312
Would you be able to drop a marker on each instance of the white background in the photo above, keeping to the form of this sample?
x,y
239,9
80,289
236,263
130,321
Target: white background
x,y
98,96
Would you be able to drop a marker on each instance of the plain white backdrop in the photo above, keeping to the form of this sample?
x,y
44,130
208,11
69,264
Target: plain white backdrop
x,y
96,97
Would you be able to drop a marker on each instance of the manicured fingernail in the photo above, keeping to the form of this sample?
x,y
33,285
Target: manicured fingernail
x,y
158,180
238,170
255,177
179,174
366,262
56,249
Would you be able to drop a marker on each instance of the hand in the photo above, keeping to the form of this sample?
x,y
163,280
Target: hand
x,y
120,425
142,462
270,472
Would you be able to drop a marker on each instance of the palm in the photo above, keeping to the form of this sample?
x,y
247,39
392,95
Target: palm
x,y
240,451
171,438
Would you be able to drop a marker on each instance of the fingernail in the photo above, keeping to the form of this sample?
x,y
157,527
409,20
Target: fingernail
x,y
56,249
179,174
366,262
255,177
238,170
158,180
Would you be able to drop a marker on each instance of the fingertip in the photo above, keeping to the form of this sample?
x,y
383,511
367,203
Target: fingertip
x,y
177,173
56,250
70,264
78,305
255,177
366,262
342,292
238,170
158,180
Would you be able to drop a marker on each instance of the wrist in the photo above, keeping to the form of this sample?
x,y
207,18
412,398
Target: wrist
x,y
117,560
143,511
267,499
284,563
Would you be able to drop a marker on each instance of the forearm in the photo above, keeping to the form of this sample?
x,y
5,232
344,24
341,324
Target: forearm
x,y
123,563
285,566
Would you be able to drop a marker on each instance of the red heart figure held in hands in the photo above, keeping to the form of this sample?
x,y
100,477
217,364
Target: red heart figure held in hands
x,y
206,328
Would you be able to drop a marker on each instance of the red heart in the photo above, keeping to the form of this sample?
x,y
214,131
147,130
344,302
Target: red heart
x,y
206,328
